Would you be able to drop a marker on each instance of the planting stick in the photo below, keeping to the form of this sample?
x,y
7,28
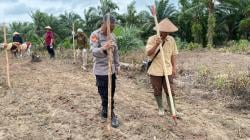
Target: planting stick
x,y
7,58
153,10
110,60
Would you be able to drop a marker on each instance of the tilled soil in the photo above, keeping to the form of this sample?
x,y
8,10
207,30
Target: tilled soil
x,y
55,99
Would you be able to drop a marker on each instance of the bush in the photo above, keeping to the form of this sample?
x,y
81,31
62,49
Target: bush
x,y
239,84
128,38
221,81
232,83
204,74
66,44
242,46
181,44
192,46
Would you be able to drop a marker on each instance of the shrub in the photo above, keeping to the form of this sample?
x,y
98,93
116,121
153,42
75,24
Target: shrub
x,y
204,74
192,46
239,84
66,44
221,81
181,44
128,38
242,46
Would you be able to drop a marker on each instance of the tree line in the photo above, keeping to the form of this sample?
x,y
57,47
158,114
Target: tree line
x,y
209,23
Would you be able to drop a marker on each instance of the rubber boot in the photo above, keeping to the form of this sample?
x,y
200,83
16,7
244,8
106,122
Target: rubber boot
x,y
160,106
178,114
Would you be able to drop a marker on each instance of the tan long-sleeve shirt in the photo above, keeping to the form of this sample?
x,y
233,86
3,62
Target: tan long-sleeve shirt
x,y
169,49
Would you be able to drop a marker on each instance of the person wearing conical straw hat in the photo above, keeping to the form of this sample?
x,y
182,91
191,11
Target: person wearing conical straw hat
x,y
155,70
49,40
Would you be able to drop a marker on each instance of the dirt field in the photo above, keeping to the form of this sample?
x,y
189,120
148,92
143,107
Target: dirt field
x,y
55,99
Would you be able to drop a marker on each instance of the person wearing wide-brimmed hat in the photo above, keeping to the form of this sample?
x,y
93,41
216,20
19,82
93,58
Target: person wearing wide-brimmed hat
x,y
49,40
82,52
155,70
17,38
17,41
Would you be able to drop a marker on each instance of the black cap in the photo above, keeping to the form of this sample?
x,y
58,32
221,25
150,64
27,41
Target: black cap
x,y
105,18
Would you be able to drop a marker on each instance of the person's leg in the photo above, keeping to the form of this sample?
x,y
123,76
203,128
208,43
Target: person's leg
x,y
14,50
52,53
101,83
156,82
84,58
48,49
172,87
78,52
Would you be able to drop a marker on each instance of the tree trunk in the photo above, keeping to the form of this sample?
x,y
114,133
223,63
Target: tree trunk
x,y
211,24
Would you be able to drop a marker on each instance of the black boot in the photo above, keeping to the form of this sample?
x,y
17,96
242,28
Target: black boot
x,y
114,121
104,114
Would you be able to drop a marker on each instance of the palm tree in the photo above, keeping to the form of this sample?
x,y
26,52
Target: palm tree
x,y
131,17
202,18
163,9
234,14
42,20
128,37
25,29
107,6
66,23
93,16
211,23
91,20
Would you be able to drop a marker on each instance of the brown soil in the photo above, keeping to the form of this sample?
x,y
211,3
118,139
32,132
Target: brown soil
x,y
55,99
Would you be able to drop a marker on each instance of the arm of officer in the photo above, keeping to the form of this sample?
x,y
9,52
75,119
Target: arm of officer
x,y
95,47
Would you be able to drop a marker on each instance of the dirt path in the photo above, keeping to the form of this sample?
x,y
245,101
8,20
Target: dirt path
x,y
54,99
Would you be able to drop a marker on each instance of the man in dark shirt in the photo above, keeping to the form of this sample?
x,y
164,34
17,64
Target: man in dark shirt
x,y
17,41
17,38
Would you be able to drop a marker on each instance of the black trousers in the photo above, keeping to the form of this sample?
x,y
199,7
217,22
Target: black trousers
x,y
51,51
102,85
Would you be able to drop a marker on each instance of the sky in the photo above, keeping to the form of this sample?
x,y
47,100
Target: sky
x,y
19,10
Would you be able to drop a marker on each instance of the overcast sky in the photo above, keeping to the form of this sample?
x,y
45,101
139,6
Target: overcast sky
x,y
19,10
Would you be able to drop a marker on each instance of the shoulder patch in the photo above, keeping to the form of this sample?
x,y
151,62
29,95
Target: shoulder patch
x,y
94,38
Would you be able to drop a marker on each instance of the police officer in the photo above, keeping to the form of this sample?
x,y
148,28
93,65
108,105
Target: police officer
x,y
99,46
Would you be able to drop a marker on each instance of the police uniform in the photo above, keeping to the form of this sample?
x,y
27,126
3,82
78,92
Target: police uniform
x,y
100,67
